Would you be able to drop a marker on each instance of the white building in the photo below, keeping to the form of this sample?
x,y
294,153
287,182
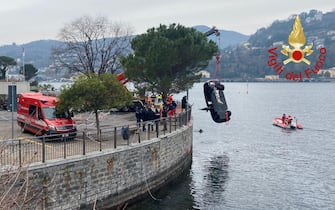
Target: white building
x,y
204,74
331,72
271,77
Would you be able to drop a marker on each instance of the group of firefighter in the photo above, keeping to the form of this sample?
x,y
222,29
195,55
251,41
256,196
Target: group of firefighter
x,y
154,109
287,120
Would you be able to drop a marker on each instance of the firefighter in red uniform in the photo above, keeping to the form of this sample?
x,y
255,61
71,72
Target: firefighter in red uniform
x,y
283,119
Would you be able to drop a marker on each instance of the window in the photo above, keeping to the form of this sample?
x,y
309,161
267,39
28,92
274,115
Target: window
x,y
51,113
32,110
39,113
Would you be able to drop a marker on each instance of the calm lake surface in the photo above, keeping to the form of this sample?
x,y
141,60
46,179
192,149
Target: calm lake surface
x,y
251,164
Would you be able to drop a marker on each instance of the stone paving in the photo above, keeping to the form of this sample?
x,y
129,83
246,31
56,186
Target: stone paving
x,y
85,121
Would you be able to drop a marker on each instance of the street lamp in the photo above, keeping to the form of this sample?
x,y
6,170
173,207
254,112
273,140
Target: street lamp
x,y
23,70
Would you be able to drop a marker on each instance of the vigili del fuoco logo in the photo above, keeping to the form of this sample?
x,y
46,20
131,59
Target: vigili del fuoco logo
x,y
296,52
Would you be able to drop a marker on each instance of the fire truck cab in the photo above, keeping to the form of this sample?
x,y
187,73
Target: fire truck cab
x,y
37,114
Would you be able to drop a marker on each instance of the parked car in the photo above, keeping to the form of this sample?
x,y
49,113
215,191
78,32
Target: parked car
x,y
132,108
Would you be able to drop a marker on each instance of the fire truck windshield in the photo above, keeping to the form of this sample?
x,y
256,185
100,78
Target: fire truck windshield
x,y
51,113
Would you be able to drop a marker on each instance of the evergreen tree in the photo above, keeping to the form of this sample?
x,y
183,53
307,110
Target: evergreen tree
x,y
5,63
165,59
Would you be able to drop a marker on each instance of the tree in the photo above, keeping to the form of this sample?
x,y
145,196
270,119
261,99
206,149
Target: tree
x,y
92,45
5,63
94,92
165,59
45,87
29,71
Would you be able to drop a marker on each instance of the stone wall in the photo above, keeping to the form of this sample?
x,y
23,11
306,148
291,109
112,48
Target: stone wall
x,y
113,178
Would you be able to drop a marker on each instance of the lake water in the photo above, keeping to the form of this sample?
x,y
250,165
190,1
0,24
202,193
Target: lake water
x,y
250,164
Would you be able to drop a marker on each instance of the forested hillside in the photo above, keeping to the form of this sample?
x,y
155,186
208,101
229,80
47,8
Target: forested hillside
x,y
36,52
249,60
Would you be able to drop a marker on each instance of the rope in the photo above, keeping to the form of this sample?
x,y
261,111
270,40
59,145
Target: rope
x,y
146,183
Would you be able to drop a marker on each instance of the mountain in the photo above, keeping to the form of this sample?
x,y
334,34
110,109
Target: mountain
x,y
250,59
226,38
38,52
242,56
317,29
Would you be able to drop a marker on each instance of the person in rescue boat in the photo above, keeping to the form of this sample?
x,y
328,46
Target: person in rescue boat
x,y
283,119
289,120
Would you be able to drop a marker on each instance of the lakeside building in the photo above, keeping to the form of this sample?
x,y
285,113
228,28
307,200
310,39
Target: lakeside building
x,y
330,71
204,74
271,77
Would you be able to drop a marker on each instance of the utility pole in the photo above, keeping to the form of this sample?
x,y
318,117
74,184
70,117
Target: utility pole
x,y
23,70
12,102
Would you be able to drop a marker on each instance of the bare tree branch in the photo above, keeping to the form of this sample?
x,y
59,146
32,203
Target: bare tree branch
x,y
20,189
92,45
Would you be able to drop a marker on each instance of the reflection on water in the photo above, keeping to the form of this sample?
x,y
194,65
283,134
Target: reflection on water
x,y
251,164
215,178
177,193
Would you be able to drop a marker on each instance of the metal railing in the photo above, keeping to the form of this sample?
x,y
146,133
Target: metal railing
x,y
26,150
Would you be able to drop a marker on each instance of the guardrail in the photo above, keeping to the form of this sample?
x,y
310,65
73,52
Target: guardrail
x,y
26,150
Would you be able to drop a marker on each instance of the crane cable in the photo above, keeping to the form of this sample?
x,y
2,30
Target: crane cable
x,y
218,57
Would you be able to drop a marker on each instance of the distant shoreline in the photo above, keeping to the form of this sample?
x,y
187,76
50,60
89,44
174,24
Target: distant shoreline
x,y
270,81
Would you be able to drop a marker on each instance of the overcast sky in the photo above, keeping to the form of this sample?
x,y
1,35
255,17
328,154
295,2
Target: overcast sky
x,y
23,21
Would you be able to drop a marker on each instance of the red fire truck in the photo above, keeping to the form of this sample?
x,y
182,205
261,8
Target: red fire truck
x,y
37,114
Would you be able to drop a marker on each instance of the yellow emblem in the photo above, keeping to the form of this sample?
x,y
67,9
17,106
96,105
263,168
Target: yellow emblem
x,y
297,40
